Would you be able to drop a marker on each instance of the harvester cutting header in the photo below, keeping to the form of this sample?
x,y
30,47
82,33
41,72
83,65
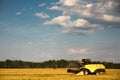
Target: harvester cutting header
x,y
87,67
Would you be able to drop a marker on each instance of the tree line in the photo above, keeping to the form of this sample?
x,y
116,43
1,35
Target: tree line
x,y
51,64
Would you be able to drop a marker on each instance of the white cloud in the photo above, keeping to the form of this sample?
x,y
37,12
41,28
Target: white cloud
x,y
60,20
80,23
69,2
80,16
55,8
43,4
65,21
18,13
77,51
72,26
89,5
42,15
104,10
110,18
88,9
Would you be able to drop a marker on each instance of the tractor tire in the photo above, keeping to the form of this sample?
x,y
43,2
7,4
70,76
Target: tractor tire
x,y
97,73
86,72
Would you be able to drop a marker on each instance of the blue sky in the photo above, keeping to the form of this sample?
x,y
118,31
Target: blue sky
x,y
40,30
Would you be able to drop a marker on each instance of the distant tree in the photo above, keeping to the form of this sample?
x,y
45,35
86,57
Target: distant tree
x,y
51,64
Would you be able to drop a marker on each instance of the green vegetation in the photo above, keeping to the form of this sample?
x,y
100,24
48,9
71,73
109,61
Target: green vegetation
x,y
51,64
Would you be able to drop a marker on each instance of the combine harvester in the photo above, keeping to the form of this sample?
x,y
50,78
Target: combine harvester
x,y
87,67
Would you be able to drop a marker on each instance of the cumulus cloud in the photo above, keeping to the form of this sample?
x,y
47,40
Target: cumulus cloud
x,y
79,26
42,15
91,15
66,21
110,18
18,13
91,8
69,2
77,51
60,20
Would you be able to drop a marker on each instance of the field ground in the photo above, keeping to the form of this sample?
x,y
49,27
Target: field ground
x,y
54,74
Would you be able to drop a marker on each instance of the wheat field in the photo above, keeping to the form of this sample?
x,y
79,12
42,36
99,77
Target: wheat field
x,y
54,74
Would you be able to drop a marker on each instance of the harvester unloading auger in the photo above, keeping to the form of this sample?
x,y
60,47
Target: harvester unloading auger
x,y
87,67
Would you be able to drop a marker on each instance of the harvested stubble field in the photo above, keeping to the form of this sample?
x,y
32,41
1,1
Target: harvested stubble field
x,y
54,74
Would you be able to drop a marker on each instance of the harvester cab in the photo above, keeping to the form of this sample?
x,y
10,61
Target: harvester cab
x,y
87,67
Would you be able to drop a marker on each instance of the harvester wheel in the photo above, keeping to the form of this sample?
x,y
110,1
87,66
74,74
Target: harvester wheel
x,y
97,73
86,72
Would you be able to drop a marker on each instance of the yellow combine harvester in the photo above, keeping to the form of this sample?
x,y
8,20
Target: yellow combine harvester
x,y
88,68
